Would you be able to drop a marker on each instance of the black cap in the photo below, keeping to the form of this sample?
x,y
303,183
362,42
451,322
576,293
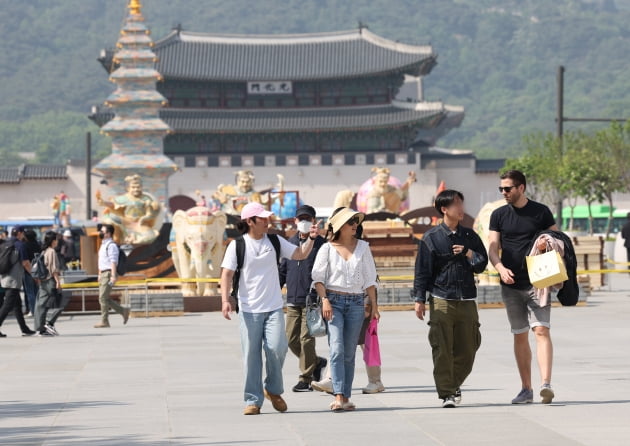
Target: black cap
x,y
305,209
16,229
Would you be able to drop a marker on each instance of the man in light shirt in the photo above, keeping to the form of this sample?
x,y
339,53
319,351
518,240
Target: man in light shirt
x,y
107,262
260,300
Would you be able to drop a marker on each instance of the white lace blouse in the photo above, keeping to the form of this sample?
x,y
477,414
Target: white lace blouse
x,y
354,275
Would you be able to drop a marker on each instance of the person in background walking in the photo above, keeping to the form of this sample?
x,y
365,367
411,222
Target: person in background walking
x,y
107,262
30,285
12,282
48,307
296,275
448,257
68,250
344,273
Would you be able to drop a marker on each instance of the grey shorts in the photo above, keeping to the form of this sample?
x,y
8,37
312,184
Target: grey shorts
x,y
523,309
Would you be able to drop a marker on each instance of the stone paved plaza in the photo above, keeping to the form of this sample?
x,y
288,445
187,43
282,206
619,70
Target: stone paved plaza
x,y
177,381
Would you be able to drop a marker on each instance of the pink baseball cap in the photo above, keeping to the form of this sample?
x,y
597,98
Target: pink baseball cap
x,y
254,210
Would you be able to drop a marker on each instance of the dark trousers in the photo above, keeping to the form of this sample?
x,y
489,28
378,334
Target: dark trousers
x,y
46,309
12,302
30,292
455,338
301,343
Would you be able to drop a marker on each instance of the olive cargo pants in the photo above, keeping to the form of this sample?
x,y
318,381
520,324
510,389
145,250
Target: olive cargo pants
x,y
455,338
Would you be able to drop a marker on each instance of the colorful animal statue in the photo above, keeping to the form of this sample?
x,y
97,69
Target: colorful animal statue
x,y
197,247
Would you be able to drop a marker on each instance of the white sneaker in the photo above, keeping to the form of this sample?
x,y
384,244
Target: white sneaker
x,y
325,385
376,387
51,329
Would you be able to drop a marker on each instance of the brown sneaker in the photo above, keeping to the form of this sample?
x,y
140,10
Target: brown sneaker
x,y
102,325
125,315
276,401
252,410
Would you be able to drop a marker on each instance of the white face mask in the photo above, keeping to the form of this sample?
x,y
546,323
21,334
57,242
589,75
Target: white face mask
x,y
304,226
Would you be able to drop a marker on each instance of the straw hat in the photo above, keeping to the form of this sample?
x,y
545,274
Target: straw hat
x,y
342,217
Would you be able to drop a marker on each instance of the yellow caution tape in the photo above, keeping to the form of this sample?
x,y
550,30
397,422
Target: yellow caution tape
x,y
177,280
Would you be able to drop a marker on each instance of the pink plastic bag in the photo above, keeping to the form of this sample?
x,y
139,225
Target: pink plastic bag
x,y
371,350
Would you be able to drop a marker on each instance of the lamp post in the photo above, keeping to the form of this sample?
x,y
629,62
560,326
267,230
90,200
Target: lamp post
x,y
88,176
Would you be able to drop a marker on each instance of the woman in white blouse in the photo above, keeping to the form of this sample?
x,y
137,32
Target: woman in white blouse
x,y
343,273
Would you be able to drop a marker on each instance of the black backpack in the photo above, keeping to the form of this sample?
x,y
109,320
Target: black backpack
x,y
240,260
121,265
39,271
6,257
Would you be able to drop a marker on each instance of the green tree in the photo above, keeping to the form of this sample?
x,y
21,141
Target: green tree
x,y
541,161
611,150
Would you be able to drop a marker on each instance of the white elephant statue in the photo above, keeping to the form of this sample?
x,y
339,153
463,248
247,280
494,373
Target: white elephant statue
x,y
197,248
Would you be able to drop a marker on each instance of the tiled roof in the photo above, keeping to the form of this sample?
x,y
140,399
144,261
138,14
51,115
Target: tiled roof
x,y
9,175
453,118
343,54
45,172
283,120
293,120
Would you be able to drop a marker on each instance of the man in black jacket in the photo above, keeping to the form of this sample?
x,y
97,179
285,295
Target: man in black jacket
x,y
448,257
297,277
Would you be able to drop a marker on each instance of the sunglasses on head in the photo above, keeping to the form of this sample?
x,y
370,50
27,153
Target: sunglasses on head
x,y
353,221
507,189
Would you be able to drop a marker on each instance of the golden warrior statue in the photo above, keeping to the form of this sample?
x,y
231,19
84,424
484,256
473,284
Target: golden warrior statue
x,y
234,197
135,215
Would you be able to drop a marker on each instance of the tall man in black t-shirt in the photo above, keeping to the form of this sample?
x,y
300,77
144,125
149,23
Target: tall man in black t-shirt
x,y
512,229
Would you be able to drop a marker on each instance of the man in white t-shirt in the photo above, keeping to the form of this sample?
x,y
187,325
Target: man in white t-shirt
x,y
260,301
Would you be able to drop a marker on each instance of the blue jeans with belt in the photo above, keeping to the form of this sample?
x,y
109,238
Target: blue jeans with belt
x,y
263,331
343,336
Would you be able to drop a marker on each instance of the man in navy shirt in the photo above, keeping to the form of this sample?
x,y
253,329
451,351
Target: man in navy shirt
x,y
513,227
12,282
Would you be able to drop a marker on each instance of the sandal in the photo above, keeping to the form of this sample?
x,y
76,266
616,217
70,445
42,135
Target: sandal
x,y
349,406
336,406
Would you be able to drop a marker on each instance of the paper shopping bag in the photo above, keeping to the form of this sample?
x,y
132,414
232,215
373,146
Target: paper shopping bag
x,y
546,269
371,349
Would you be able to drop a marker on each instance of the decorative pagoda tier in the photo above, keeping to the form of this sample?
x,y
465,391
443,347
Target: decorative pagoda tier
x,y
136,130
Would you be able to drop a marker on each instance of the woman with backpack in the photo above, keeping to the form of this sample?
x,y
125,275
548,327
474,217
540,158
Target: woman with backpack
x,y
48,306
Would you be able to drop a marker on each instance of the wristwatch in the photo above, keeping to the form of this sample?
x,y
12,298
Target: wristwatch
x,y
312,238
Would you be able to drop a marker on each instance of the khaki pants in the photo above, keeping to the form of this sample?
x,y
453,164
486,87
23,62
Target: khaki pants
x,y
104,290
301,343
455,338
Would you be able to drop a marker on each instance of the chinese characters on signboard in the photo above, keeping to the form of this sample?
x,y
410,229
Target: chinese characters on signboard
x,y
270,87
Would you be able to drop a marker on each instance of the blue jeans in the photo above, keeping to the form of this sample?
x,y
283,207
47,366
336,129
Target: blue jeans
x,y
262,331
343,336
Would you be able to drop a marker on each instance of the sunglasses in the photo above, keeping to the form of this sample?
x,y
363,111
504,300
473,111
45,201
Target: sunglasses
x,y
507,189
353,221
